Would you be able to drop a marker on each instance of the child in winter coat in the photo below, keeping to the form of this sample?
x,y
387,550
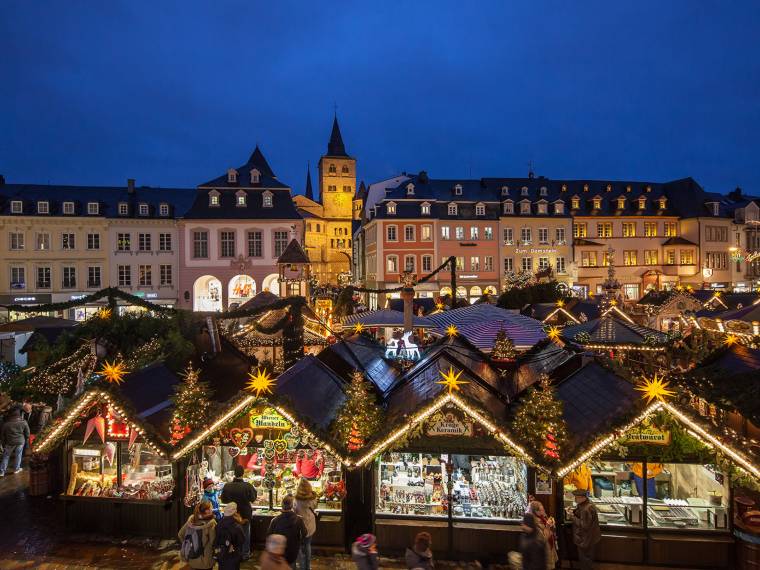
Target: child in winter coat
x,y
197,537
211,495
364,552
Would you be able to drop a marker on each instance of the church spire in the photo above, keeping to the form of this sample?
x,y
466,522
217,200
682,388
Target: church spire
x,y
309,193
336,147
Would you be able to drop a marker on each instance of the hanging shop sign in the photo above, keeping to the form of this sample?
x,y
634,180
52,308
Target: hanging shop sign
x,y
647,433
448,424
268,419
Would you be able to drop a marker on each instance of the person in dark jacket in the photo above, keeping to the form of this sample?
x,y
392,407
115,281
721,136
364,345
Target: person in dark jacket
x,y
364,553
291,526
532,545
420,555
241,493
14,435
230,538
586,531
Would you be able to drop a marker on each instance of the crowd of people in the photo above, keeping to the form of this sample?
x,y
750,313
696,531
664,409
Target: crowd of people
x,y
211,536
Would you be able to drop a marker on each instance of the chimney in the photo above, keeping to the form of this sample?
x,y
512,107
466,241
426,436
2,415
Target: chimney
x,y
130,185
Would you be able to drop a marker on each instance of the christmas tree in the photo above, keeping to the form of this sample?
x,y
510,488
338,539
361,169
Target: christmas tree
x,y
359,416
503,347
539,423
191,404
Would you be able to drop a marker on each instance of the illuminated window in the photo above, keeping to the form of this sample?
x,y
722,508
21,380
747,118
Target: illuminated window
x,y
445,233
509,207
671,229
459,232
452,209
650,257
390,208
426,232
575,202
588,259
525,207
508,236
650,229
629,229
621,203
473,232
642,203
559,208
561,239
629,257
604,229
526,236
488,232
687,257
267,199
597,203
391,264
425,209
541,208
663,203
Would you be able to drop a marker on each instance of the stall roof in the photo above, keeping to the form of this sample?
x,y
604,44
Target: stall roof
x,y
359,352
427,304
385,318
613,330
35,323
747,313
148,390
544,358
259,300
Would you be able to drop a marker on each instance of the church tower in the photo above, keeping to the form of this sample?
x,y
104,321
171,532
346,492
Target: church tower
x,y
337,178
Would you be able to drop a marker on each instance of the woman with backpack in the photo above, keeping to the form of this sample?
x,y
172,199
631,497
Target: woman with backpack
x,y
197,538
230,538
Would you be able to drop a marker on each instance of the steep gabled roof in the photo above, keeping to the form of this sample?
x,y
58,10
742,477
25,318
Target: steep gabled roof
x,y
294,253
335,146
612,330
257,160
309,192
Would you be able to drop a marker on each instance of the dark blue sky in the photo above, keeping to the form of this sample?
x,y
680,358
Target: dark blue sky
x,y
174,93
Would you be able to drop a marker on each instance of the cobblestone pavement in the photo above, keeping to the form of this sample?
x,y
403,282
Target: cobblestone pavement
x,y
30,538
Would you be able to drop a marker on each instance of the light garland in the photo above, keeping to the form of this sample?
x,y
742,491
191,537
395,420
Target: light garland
x,y
561,309
624,347
613,308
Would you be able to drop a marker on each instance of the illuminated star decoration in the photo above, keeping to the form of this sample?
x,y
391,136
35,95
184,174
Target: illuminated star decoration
x,y
655,389
451,330
260,382
560,303
113,372
553,333
451,380
439,306
359,328
104,313
730,340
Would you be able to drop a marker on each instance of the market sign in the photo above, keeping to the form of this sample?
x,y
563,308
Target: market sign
x,y
647,434
269,419
448,424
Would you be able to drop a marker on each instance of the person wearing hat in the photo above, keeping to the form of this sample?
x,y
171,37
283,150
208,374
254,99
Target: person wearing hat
x,y
273,557
230,538
210,494
305,503
364,552
242,493
292,527
532,545
586,531
420,555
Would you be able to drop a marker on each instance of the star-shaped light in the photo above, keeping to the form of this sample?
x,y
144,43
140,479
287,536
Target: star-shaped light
x,y
730,340
560,303
439,306
451,380
553,333
359,328
655,389
260,382
113,372
104,313
451,330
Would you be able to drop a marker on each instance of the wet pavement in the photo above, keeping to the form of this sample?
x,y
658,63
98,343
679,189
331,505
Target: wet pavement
x,y
32,538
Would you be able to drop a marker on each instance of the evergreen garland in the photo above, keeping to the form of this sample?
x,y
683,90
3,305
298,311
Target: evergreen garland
x,y
359,416
539,424
191,401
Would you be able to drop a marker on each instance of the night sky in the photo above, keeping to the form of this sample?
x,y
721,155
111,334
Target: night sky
x,y
174,93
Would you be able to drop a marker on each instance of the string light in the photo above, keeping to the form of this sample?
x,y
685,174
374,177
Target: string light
x,y
561,309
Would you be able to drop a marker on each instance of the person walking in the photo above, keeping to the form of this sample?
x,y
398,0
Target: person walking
x,y
230,538
586,531
292,527
532,545
242,493
546,527
305,503
197,538
273,557
420,555
14,436
364,552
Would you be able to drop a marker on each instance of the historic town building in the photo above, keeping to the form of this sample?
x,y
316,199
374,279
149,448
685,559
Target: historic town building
x,y
232,235
328,237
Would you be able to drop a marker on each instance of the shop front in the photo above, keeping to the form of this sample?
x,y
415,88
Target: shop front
x,y
30,300
276,453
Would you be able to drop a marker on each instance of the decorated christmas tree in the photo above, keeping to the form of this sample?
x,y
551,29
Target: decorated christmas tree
x,y
503,347
191,404
360,416
538,421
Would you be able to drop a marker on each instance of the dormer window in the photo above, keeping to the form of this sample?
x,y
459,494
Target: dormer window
x,y
525,207
93,208
642,203
232,176
213,199
452,209
68,208
716,208
332,169
123,209
163,209
524,191
43,207
390,208
505,190
266,199
559,207
17,207
143,209
585,187
480,209
621,203
425,209
575,202
648,188
241,199
544,191
255,176
410,189
609,187
458,190
541,207
663,203
509,207
564,187
628,188
597,203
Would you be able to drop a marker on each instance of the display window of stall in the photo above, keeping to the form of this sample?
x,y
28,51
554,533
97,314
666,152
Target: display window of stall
x,y
275,455
482,486
672,495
